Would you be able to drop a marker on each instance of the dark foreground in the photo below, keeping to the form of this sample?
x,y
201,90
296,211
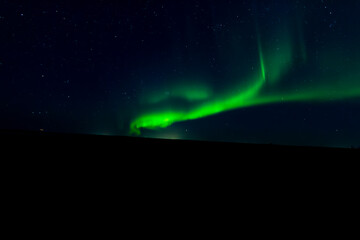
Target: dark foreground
x,y
136,147
116,168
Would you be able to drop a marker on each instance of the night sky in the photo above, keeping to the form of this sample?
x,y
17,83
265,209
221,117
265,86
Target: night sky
x,y
252,71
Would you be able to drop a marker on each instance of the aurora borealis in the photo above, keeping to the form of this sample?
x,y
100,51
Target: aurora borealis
x,y
277,64
253,71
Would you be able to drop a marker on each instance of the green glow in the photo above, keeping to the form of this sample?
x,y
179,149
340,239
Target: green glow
x,y
279,58
261,56
276,60
192,92
165,119
262,65
155,120
246,98
189,91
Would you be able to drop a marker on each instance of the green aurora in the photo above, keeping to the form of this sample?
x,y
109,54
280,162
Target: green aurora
x,y
275,66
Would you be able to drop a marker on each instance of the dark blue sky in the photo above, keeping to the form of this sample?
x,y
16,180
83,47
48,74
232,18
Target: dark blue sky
x,y
86,66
